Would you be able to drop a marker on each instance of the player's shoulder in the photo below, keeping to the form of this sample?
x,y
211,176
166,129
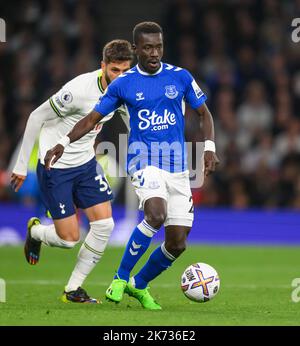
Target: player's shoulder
x,y
120,84
177,71
128,75
84,78
82,82
172,68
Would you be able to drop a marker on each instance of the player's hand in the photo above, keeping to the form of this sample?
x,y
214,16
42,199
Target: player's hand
x,y
16,181
210,162
53,155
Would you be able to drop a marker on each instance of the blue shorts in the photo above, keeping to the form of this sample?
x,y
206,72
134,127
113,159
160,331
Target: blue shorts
x,y
65,189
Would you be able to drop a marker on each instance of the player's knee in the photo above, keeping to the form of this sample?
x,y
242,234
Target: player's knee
x,y
156,219
69,233
102,229
70,238
175,249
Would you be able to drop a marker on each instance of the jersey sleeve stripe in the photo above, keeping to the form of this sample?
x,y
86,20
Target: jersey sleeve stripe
x,y
54,107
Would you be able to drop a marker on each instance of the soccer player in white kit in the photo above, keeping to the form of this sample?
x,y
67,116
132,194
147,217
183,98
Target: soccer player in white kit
x,y
76,180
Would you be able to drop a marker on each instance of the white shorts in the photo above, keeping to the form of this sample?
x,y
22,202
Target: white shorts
x,y
173,187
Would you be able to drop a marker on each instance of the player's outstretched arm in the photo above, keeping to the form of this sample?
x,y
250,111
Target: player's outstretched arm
x,y
34,124
83,126
210,156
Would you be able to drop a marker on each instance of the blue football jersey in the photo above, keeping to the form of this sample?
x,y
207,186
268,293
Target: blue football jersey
x,y
156,105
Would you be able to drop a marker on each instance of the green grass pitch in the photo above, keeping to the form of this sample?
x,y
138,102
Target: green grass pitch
x,y
255,289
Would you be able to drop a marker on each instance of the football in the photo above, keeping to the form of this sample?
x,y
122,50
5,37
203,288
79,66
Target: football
x,y
200,282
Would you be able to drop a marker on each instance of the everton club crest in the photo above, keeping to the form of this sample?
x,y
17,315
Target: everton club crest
x,y
171,91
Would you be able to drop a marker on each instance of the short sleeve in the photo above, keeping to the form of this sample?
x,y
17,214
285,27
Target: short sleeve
x,y
193,93
110,101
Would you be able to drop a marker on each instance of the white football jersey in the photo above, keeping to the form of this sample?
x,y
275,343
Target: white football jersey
x,y
56,117
71,103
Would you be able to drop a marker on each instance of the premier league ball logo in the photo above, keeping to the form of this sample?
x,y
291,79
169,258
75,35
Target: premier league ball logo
x,y
66,97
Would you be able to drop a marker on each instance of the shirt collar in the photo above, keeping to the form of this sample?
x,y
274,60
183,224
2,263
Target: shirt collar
x,y
99,81
149,74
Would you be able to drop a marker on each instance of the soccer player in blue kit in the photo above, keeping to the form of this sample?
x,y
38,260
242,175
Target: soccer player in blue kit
x,y
154,94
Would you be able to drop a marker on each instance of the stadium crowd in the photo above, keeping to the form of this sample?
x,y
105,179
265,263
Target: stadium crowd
x,y
240,52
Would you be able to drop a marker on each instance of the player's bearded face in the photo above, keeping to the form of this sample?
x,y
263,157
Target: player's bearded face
x,y
149,51
107,78
113,69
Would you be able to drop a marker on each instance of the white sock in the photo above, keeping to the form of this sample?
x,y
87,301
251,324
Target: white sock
x,y
90,252
48,236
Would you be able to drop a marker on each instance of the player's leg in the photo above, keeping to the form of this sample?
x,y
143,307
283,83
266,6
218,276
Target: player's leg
x,y
91,193
177,228
56,190
163,256
160,260
152,195
154,211
63,233
93,247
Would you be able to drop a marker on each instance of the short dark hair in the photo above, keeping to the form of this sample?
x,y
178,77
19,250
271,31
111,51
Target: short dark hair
x,y
117,50
146,28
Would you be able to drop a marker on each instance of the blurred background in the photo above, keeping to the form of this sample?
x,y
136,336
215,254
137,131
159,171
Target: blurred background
x,y
242,55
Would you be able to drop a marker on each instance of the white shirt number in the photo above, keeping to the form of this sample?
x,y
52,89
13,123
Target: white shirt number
x,y
103,184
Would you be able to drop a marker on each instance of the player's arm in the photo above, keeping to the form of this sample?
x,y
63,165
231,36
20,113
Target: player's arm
x,y
210,156
84,126
33,127
196,98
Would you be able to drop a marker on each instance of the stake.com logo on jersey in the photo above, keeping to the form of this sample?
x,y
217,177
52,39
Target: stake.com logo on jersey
x,y
158,122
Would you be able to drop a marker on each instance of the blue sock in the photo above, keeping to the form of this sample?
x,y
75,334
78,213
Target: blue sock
x,y
136,247
158,261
